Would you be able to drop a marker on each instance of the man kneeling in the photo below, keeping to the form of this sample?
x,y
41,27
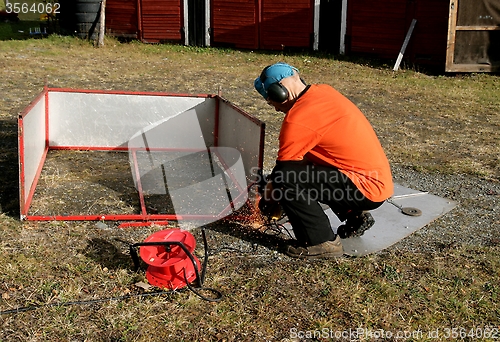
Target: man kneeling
x,y
328,153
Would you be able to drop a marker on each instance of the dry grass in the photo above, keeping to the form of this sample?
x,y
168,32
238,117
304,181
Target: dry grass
x,y
85,183
446,124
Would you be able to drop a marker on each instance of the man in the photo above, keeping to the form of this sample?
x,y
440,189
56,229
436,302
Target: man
x,y
328,153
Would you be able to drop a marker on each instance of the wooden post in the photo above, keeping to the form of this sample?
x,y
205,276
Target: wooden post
x,y
405,43
186,22
343,27
452,27
316,25
102,26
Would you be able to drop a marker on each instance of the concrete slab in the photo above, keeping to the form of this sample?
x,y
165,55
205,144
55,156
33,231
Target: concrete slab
x,y
391,224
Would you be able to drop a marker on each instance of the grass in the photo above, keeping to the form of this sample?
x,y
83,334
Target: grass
x,y
433,123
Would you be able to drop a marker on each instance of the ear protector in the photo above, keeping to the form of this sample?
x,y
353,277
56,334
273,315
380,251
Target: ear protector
x,y
276,91
268,83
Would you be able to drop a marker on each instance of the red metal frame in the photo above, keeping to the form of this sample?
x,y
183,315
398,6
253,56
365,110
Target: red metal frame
x,y
143,216
126,92
139,183
24,205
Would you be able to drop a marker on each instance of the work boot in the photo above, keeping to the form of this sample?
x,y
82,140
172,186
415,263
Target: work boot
x,y
356,225
328,249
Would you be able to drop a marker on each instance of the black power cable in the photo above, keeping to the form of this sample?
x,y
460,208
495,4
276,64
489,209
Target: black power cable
x,y
84,302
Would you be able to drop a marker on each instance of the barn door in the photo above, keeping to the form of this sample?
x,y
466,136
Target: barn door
x,y
161,21
234,23
262,24
286,24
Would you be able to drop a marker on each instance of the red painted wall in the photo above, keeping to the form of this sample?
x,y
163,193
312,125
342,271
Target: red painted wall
x,y
234,23
379,28
121,18
262,24
161,20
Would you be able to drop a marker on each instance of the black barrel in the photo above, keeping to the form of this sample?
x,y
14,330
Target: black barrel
x,y
87,17
80,17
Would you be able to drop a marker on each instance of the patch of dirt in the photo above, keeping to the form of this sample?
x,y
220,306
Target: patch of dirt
x,y
89,183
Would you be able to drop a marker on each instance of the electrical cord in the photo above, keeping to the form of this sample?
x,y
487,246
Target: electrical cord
x,y
271,227
85,302
276,228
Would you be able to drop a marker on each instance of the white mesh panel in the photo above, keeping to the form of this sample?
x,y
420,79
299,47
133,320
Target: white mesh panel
x,y
33,137
109,120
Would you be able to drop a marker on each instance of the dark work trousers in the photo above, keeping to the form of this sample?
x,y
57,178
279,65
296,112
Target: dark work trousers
x,y
301,187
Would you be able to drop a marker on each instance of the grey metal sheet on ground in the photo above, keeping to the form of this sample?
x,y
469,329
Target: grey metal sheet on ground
x,y
391,225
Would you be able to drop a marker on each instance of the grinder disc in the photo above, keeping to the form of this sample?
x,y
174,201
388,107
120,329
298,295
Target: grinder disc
x,y
411,211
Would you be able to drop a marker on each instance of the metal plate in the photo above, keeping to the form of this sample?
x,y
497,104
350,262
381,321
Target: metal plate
x,y
391,224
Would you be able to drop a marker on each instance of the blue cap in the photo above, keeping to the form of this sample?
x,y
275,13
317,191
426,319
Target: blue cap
x,y
272,74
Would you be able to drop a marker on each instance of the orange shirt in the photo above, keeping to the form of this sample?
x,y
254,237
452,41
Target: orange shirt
x,y
325,127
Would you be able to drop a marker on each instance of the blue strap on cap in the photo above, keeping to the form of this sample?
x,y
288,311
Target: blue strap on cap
x,y
272,74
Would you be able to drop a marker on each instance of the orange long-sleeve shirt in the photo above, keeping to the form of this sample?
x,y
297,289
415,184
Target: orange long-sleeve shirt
x,y
326,128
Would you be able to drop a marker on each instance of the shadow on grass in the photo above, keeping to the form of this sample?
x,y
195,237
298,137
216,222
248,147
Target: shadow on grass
x,y
106,254
363,59
9,169
269,237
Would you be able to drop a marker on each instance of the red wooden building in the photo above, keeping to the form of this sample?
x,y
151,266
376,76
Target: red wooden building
x,y
252,24
374,28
